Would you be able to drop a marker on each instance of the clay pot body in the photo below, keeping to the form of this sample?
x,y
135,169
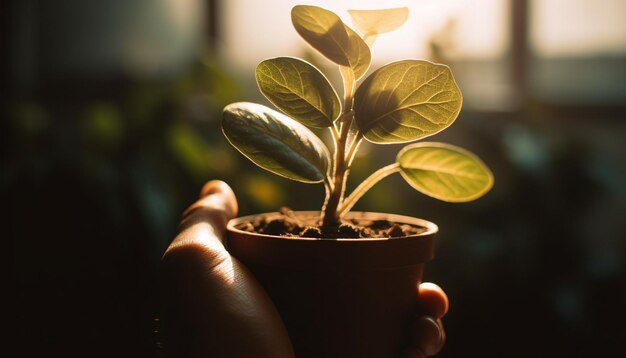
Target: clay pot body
x,y
340,297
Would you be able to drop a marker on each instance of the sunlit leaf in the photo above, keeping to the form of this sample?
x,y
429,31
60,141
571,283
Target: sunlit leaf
x,y
360,55
300,90
406,100
445,172
275,142
325,31
369,23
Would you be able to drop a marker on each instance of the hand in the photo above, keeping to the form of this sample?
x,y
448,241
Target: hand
x,y
213,307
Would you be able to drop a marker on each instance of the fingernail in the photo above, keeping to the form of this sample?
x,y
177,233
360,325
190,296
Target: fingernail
x,y
428,335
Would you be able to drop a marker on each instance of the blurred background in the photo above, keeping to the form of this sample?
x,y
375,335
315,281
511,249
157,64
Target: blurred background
x,y
110,126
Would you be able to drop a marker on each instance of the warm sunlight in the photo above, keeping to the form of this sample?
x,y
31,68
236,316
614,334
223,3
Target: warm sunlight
x,y
470,29
575,28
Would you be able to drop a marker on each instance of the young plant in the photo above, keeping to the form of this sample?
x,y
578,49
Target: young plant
x,y
400,102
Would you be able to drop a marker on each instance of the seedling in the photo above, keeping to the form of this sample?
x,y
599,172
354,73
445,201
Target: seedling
x,y
401,102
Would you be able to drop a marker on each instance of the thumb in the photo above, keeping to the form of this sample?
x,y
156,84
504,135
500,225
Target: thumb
x,y
217,204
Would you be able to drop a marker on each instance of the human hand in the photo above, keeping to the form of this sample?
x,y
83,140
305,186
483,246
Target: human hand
x,y
212,305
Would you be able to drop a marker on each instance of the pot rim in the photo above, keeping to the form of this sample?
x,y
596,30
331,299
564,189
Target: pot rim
x,y
431,228
333,254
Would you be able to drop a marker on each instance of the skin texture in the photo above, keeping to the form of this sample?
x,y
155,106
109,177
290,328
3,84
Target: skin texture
x,y
213,307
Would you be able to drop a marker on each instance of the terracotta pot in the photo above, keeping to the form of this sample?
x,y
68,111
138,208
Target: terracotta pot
x,y
340,297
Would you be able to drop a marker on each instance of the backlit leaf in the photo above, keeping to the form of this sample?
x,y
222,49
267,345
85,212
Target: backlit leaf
x,y
276,142
406,100
300,90
369,23
325,31
445,172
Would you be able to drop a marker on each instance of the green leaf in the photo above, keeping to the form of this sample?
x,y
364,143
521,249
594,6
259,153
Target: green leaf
x,y
276,142
445,172
406,100
360,55
325,31
300,90
370,23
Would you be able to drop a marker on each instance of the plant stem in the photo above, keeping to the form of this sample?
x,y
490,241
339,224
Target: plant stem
x,y
353,148
335,134
349,86
330,213
366,185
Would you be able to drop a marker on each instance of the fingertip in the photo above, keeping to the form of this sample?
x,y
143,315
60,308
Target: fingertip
x,y
214,186
221,188
217,204
433,301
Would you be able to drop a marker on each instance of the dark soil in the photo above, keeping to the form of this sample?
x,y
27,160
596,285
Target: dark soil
x,y
287,224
